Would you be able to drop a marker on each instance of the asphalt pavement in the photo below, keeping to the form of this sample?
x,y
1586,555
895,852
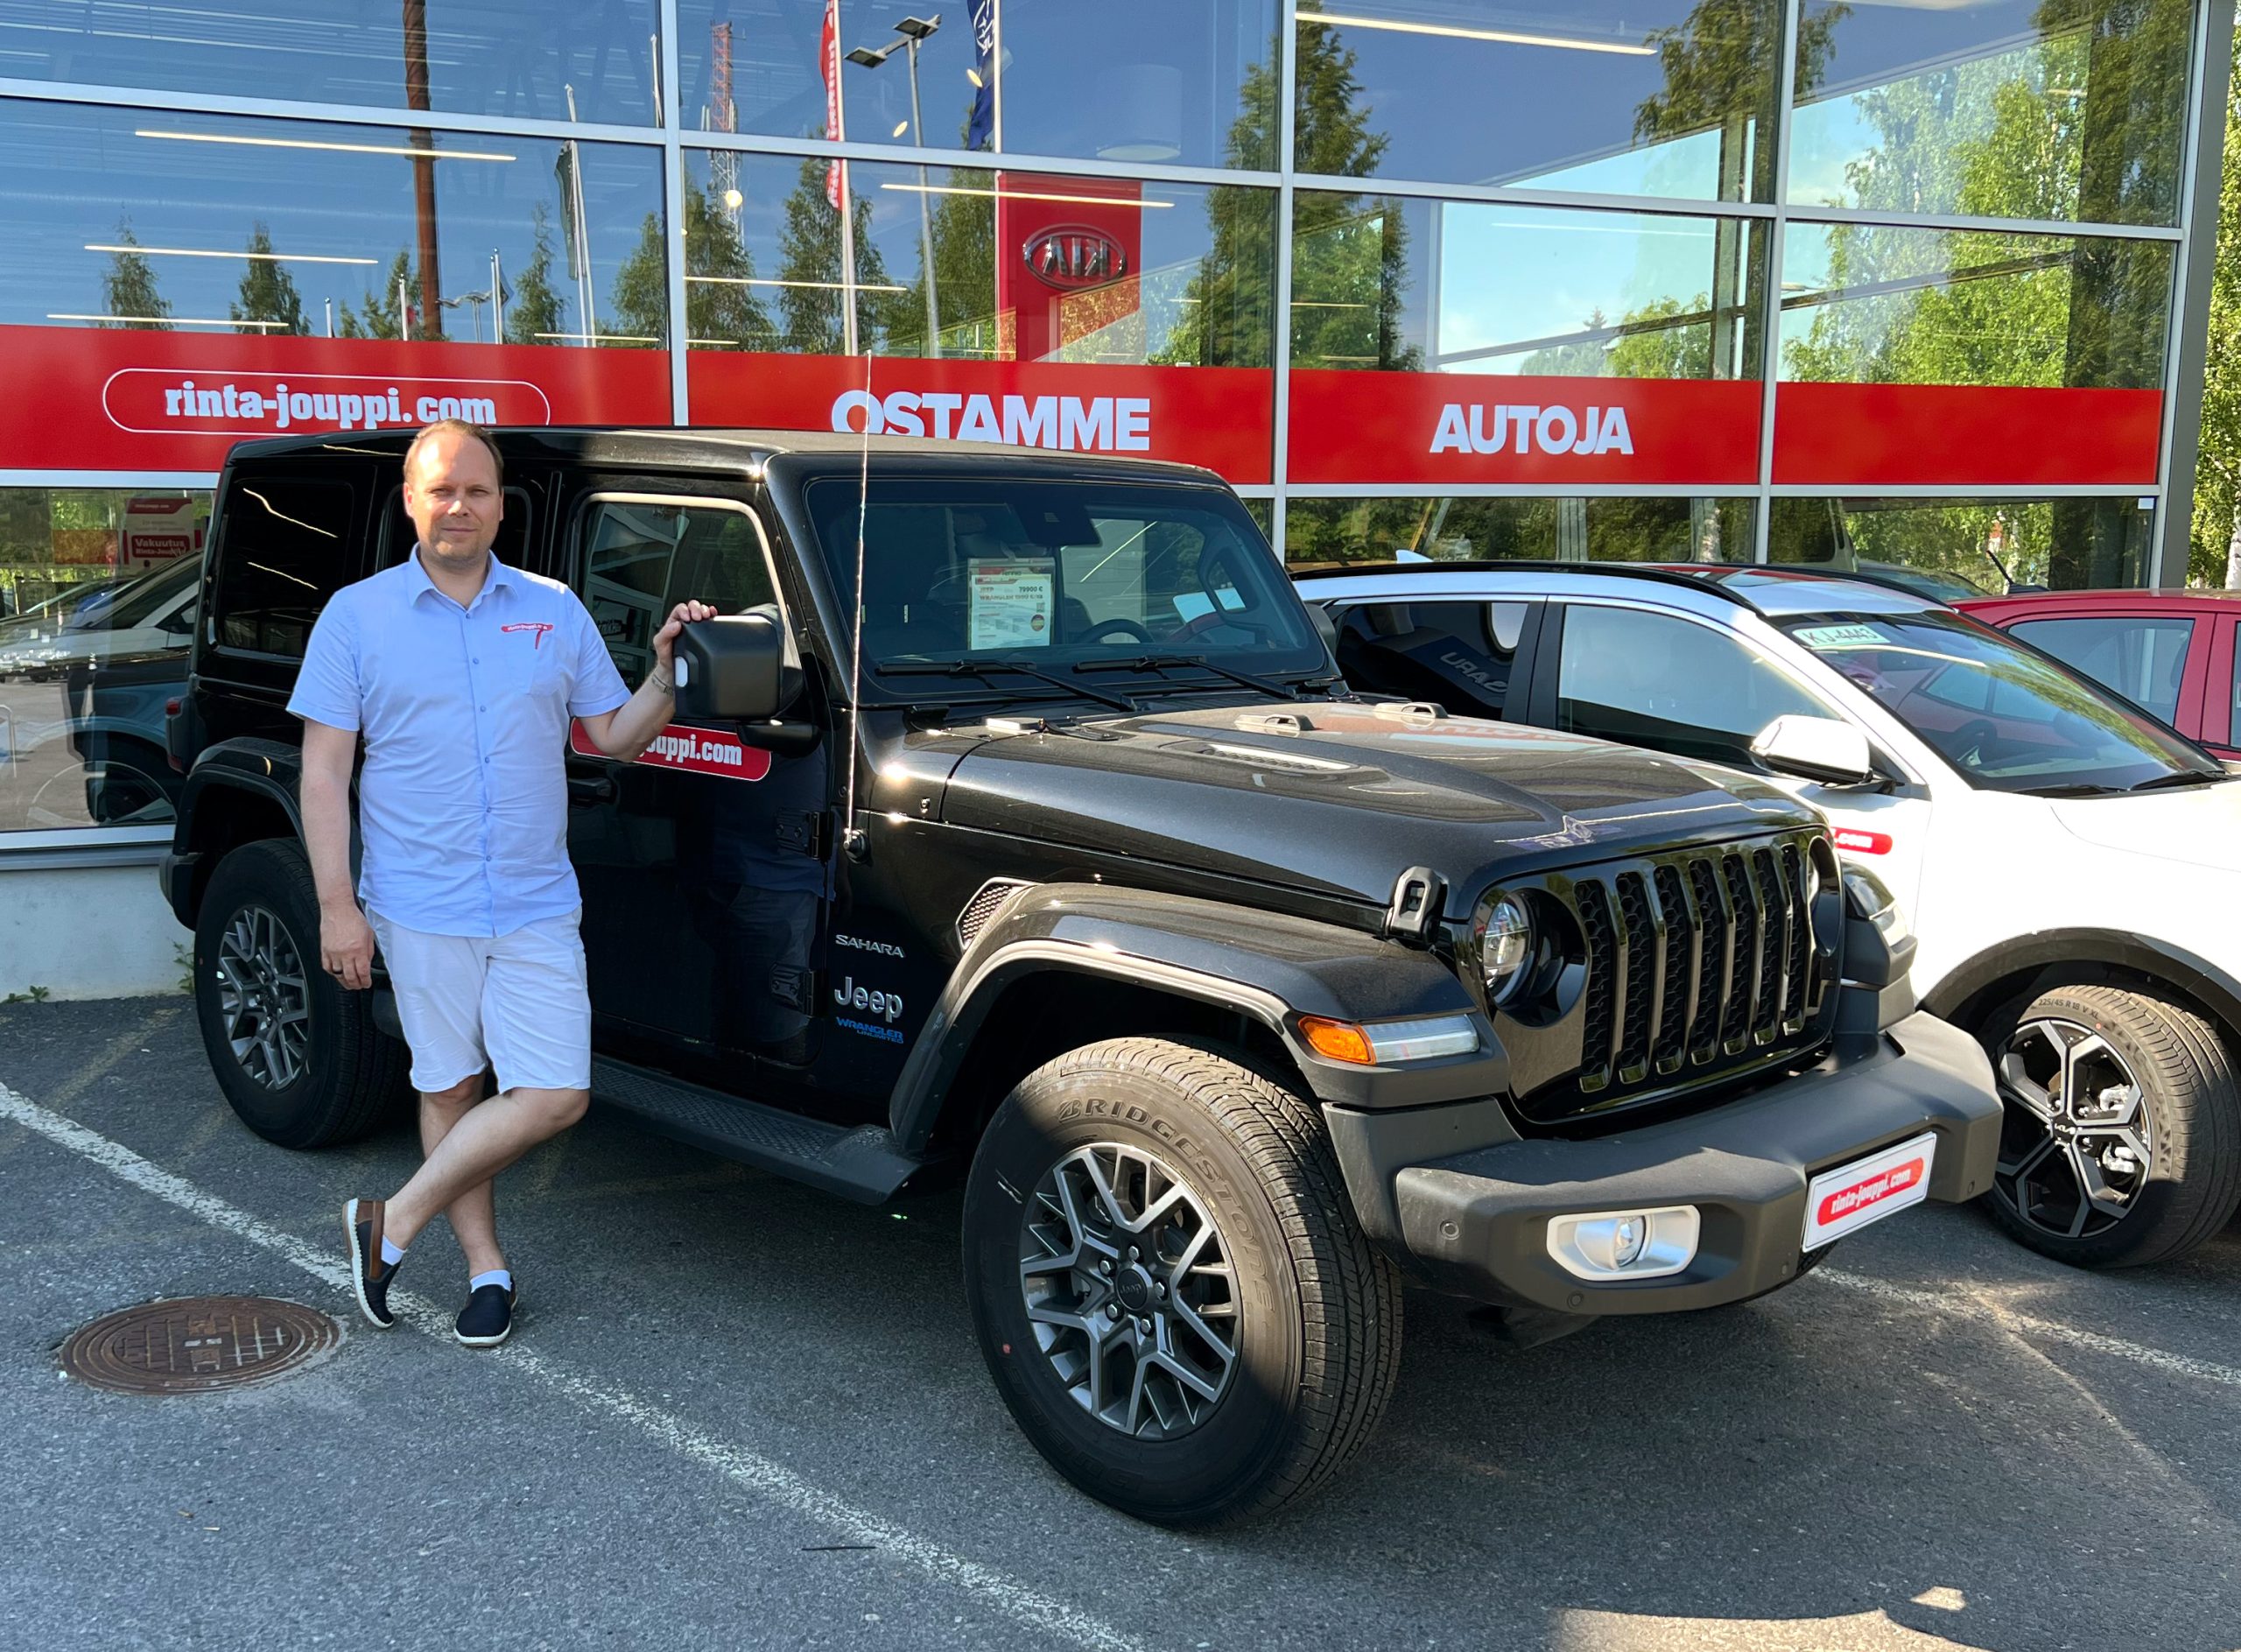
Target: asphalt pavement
x,y
739,1413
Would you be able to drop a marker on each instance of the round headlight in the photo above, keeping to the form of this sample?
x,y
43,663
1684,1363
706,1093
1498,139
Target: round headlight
x,y
1504,935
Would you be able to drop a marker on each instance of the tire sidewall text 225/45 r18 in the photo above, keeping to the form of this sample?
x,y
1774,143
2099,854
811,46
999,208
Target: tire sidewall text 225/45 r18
x,y
1319,1311
351,1073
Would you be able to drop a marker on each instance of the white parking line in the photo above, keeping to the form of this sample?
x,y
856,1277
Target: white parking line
x,y
745,1468
1961,1305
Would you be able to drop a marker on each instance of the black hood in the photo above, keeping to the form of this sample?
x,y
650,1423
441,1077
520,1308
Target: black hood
x,y
1346,804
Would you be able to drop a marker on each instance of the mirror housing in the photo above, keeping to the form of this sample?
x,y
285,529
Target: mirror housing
x,y
732,668
1820,748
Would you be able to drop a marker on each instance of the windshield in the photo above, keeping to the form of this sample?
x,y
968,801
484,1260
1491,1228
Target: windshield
x,y
2005,715
1053,575
139,602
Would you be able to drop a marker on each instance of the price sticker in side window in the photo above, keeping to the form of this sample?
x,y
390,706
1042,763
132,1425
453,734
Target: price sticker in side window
x,y
1009,601
1827,638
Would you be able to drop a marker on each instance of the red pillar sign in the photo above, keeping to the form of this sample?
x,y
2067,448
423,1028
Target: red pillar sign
x,y
1068,252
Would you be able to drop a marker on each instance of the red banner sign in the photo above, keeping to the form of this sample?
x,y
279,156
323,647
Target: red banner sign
x,y
178,401
1218,417
1067,255
1872,435
1459,428
700,751
156,401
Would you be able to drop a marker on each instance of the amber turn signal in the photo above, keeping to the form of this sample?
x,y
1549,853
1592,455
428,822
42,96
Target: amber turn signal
x,y
1336,1040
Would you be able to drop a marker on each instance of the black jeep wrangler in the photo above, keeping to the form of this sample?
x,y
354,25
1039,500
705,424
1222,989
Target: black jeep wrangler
x,y
1018,821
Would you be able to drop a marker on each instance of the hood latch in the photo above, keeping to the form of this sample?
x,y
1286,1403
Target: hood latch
x,y
1419,901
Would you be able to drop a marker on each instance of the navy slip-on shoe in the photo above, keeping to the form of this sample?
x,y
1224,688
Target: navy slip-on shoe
x,y
369,1276
487,1319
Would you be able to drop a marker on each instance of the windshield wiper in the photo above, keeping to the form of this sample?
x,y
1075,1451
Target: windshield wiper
x,y
981,668
2182,778
2154,782
1165,662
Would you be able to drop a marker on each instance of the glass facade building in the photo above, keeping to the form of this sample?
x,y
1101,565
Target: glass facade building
x,y
1908,285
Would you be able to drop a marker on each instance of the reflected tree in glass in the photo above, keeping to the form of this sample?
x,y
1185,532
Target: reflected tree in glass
x,y
2063,544
720,305
377,316
268,293
533,309
963,230
808,263
128,288
1322,531
2082,119
1350,253
1721,64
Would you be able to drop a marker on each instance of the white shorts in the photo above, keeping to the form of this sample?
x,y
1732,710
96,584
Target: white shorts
x,y
517,1003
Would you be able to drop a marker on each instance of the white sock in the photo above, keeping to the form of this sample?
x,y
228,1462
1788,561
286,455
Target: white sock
x,y
501,1277
391,1255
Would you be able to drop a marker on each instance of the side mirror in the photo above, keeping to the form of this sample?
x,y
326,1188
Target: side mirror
x,y
1816,749
1326,627
731,669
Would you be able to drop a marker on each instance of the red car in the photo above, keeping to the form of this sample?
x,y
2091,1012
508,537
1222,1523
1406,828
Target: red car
x,y
2172,652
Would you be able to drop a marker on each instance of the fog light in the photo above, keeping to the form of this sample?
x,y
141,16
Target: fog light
x,y
1636,1244
1627,1238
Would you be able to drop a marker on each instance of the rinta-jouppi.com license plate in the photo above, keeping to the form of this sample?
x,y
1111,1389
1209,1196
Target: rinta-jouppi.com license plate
x,y
1848,1197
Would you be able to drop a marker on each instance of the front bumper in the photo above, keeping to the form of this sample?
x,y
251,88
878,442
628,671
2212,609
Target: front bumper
x,y
1476,1221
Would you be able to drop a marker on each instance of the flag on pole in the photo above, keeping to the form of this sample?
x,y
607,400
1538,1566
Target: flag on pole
x,y
981,130
828,50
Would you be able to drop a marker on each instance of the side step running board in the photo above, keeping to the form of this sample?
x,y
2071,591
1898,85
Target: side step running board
x,y
862,1164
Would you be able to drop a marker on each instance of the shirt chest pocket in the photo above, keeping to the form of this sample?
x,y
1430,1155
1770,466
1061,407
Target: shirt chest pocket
x,y
530,663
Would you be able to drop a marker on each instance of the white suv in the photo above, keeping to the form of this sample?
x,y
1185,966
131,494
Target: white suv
x,y
2072,867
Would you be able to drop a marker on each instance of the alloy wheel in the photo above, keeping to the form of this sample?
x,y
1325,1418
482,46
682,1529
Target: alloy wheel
x,y
2074,1148
1128,1284
264,1001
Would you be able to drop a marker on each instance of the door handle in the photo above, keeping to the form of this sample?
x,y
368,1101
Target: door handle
x,y
588,791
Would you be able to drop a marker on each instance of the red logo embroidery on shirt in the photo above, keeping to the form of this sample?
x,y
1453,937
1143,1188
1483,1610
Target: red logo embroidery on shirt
x,y
537,626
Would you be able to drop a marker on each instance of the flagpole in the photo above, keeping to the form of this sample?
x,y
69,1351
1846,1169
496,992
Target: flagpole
x,y
836,118
847,266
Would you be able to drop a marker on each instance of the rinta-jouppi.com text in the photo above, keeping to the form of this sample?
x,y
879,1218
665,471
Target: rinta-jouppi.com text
x,y
368,408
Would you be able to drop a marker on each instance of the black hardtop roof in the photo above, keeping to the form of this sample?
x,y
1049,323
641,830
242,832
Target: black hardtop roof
x,y
735,450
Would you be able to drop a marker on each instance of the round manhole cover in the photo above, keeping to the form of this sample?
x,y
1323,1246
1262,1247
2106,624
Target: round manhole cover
x,y
195,1344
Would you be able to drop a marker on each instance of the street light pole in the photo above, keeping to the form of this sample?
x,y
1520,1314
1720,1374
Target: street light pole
x,y
915,29
925,212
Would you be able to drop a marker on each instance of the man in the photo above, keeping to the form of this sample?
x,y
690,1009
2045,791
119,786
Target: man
x,y
461,674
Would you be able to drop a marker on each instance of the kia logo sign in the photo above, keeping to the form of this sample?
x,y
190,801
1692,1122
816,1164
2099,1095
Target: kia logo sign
x,y
1074,256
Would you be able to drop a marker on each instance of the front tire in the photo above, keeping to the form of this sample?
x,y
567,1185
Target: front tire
x,y
1177,1387
299,1058
2121,1140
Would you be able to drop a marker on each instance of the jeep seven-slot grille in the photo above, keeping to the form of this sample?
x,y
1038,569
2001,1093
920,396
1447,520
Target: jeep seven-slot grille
x,y
1699,963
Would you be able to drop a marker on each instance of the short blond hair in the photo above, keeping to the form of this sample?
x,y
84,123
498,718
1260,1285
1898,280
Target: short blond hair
x,y
463,427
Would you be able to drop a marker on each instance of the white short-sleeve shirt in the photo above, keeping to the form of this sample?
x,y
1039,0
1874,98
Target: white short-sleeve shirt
x,y
463,802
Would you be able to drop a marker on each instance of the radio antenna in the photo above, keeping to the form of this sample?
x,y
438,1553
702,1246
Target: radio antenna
x,y
853,841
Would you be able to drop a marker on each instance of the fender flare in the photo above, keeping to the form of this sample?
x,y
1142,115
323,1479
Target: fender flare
x,y
2215,989
1270,967
264,769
